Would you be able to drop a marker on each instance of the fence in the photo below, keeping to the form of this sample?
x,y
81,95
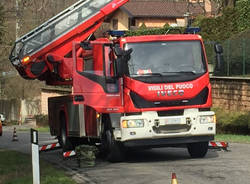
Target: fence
x,y
236,56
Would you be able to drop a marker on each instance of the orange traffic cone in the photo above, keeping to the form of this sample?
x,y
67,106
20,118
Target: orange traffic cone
x,y
174,180
14,135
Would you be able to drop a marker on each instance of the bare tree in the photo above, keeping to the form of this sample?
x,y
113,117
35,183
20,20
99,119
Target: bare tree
x,y
223,4
29,14
17,88
210,7
2,18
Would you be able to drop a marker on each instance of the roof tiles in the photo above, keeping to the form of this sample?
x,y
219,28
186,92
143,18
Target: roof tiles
x,y
160,8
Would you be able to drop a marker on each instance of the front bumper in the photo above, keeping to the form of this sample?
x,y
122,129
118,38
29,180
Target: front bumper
x,y
167,130
164,142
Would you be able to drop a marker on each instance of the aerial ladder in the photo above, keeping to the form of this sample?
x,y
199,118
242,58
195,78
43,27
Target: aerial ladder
x,y
45,53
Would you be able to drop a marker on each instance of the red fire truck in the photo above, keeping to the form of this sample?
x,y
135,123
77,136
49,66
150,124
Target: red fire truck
x,y
129,92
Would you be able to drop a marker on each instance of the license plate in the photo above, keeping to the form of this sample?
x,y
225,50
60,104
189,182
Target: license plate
x,y
173,121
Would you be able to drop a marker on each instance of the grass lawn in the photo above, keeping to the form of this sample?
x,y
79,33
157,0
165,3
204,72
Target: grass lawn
x,y
233,138
43,129
39,129
16,168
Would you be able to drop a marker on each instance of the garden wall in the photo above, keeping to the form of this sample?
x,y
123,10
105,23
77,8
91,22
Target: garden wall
x,y
231,93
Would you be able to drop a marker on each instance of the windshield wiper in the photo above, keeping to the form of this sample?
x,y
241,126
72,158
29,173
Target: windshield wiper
x,y
162,73
191,72
185,72
147,75
156,74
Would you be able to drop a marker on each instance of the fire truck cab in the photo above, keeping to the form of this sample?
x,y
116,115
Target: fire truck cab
x,y
140,92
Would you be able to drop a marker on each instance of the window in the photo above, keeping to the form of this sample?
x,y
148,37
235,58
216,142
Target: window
x,y
88,64
132,21
115,24
109,59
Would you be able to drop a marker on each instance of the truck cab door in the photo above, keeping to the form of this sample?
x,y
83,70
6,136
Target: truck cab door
x,y
94,83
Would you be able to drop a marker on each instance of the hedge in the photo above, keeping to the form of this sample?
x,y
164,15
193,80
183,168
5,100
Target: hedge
x,y
143,30
233,122
41,120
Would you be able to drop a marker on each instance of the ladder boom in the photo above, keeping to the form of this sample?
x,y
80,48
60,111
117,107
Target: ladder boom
x,y
57,34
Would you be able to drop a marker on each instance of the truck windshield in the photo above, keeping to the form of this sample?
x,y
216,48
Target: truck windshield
x,y
166,58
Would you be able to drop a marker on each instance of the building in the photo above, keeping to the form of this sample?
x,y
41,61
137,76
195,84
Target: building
x,y
157,13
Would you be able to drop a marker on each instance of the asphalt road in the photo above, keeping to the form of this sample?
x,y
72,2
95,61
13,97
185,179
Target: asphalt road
x,y
150,166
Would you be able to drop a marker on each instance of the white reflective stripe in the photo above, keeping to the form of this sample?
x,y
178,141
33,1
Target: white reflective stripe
x,y
218,144
72,153
69,154
49,146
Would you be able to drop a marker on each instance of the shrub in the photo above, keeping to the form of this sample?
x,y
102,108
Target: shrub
x,y
143,30
12,122
233,122
218,28
41,120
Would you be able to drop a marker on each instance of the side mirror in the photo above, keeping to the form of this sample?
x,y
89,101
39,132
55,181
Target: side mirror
x,y
121,63
118,50
86,45
219,66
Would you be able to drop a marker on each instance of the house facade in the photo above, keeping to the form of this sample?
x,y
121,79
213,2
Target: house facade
x,y
157,13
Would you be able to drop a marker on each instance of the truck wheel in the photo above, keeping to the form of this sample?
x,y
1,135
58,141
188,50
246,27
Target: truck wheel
x,y
115,149
198,150
110,149
64,141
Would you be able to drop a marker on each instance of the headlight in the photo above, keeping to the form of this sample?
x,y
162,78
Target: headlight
x,y
135,123
207,119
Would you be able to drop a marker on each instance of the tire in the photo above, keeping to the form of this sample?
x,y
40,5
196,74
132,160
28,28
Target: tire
x,y
115,151
1,128
63,140
198,150
111,149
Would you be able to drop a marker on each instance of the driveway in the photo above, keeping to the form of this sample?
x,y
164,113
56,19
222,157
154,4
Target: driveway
x,y
149,166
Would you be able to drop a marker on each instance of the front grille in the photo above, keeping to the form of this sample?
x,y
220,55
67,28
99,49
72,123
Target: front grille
x,y
165,129
171,113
